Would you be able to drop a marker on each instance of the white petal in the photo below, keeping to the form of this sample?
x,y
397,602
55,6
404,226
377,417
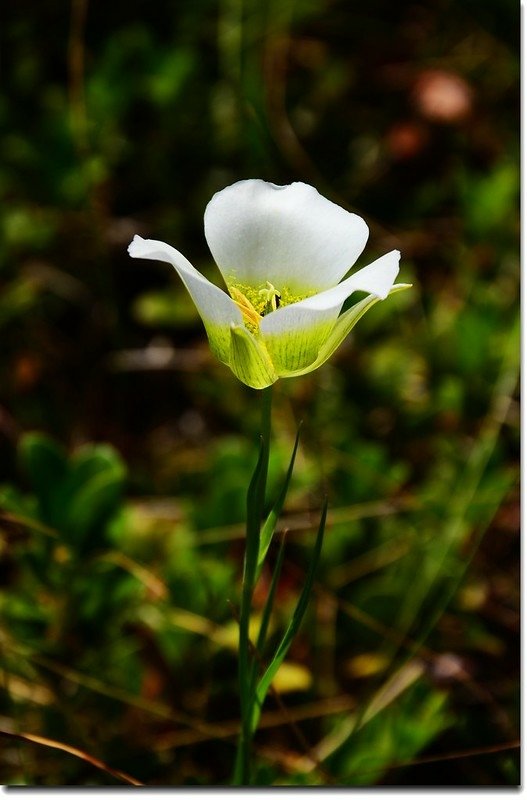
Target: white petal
x,y
295,334
377,278
344,324
288,235
217,309
295,346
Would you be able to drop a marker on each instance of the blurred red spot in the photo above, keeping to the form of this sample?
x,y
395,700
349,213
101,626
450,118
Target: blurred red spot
x,y
27,372
442,96
405,140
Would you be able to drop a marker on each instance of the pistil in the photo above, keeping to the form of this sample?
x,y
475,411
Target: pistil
x,y
271,297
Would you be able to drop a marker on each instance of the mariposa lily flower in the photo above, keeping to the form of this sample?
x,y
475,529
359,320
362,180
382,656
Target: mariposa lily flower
x,y
282,251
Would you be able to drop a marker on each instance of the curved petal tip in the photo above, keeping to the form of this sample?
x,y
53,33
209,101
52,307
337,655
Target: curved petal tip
x,y
136,247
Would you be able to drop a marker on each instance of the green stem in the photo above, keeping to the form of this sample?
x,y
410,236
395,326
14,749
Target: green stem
x,y
255,509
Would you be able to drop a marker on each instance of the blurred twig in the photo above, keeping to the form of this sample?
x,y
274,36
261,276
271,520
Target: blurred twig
x,y
305,522
292,763
72,751
197,730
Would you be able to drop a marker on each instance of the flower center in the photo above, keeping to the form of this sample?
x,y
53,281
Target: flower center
x,y
256,303
271,297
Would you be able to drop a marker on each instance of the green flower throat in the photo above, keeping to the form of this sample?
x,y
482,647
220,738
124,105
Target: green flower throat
x,y
255,303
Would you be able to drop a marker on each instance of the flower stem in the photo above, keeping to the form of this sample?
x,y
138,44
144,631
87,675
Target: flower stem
x,y
255,509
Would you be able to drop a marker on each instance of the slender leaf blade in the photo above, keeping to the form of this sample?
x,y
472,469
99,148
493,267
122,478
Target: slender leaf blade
x,y
294,625
269,526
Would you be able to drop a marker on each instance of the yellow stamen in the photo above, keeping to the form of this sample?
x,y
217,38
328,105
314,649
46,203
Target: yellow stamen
x,y
250,314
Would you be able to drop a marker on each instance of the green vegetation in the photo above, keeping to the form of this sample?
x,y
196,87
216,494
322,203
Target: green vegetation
x,y
126,447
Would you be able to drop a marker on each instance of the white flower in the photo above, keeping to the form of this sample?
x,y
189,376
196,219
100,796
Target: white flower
x,y
282,251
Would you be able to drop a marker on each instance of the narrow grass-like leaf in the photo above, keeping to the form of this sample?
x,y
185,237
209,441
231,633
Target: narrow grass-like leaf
x,y
251,555
255,506
270,523
294,625
252,544
245,668
266,615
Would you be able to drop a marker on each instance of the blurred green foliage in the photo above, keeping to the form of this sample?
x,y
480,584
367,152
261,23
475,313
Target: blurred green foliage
x,y
121,519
